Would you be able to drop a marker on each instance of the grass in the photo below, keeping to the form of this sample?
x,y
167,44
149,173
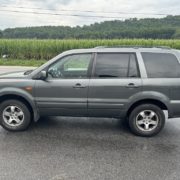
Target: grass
x,y
33,52
16,62
46,49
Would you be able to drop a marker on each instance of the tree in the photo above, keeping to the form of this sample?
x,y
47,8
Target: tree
x,y
164,28
1,34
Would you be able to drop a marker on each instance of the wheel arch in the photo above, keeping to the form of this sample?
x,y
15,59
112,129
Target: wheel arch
x,y
16,97
23,98
156,102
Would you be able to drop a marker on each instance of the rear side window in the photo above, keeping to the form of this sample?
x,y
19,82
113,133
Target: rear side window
x,y
161,65
116,65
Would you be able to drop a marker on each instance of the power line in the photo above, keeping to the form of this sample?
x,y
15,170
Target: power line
x,y
55,21
62,14
25,18
90,11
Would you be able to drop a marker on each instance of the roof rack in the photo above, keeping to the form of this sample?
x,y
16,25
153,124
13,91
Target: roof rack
x,y
135,47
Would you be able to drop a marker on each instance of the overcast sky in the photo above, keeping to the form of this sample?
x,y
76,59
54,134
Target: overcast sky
x,y
9,19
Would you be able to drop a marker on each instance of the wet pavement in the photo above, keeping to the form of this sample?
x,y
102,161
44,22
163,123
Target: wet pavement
x,y
89,149
61,148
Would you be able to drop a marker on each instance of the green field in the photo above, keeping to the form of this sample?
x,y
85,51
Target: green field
x,y
19,49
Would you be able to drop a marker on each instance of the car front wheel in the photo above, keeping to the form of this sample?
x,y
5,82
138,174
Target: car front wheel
x,y
146,120
15,115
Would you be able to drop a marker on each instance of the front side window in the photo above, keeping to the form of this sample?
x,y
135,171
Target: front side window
x,y
72,66
116,65
161,65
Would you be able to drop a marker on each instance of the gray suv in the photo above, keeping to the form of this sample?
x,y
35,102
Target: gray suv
x,y
133,83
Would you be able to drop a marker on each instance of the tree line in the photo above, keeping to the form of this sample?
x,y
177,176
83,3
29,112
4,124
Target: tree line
x,y
162,28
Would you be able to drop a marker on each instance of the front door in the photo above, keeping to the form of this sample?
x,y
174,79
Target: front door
x,y
65,90
116,79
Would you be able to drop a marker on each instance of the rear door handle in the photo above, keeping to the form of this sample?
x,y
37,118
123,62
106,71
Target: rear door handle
x,y
132,85
78,85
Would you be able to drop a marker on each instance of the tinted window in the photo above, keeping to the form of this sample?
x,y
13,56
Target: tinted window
x,y
161,65
133,69
116,65
72,66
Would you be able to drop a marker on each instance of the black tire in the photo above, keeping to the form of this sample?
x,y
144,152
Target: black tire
x,y
24,119
140,130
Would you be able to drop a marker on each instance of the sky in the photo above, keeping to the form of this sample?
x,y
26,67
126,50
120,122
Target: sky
x,y
25,13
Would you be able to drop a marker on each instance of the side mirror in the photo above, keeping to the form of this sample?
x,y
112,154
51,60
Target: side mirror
x,y
43,75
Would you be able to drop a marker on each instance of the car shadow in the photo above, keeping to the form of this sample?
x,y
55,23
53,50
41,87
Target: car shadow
x,y
79,123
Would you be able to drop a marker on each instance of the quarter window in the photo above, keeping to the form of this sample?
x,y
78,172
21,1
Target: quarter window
x,y
161,65
116,65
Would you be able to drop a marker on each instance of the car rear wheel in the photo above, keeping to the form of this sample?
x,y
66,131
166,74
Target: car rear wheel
x,y
15,115
146,120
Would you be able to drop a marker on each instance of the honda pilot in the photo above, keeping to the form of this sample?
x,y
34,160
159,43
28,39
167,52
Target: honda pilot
x,y
136,84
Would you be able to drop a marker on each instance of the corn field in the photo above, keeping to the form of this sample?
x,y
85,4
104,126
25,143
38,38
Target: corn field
x,y
46,49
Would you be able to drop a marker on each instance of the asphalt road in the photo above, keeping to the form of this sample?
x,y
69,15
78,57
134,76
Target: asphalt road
x,y
4,69
89,149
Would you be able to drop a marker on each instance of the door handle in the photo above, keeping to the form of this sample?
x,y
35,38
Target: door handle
x,y
78,85
132,85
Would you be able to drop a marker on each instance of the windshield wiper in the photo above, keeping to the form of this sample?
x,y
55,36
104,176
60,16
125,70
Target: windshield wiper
x,y
28,72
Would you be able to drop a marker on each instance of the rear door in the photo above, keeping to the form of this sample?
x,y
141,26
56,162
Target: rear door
x,y
115,79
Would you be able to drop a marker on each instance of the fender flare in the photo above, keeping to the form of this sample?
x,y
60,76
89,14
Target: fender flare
x,y
23,94
149,95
